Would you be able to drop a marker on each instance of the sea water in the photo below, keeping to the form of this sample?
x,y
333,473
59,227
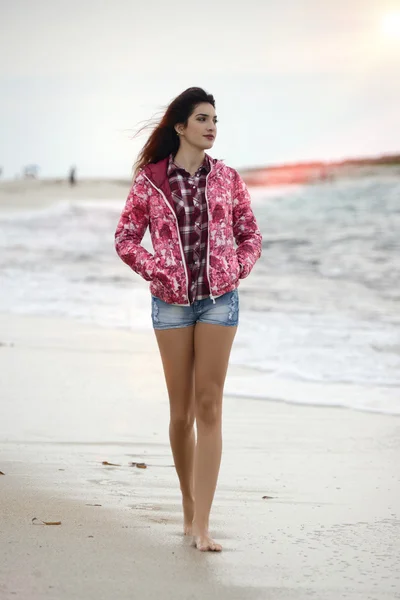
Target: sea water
x,y
321,306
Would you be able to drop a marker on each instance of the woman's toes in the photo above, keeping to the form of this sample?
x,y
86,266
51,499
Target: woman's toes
x,y
217,547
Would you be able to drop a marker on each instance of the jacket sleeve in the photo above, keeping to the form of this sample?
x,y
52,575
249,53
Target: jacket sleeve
x,y
131,228
245,229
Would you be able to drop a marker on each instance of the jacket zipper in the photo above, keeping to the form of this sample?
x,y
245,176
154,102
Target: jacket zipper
x,y
208,238
179,236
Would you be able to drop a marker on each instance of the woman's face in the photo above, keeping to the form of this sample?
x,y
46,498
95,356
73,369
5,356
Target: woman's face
x,y
201,129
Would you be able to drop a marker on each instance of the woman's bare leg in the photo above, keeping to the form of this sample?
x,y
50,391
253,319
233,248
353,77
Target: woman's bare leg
x,y
177,355
212,347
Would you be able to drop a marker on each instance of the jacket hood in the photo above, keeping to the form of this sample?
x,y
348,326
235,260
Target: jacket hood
x,y
157,172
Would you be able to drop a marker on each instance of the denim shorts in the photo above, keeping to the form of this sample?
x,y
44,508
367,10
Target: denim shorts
x,y
225,312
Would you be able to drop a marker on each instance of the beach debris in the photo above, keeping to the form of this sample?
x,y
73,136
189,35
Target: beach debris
x,y
94,505
1,473
131,464
45,522
267,497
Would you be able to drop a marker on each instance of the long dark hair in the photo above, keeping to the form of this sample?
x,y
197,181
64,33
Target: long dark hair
x,y
164,140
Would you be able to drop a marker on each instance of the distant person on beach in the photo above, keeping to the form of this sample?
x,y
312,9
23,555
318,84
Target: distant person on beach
x,y
197,208
31,171
72,176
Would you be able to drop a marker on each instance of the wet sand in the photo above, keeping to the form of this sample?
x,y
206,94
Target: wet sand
x,y
306,506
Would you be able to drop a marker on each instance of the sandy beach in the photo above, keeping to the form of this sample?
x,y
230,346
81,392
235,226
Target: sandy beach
x,y
23,194
74,395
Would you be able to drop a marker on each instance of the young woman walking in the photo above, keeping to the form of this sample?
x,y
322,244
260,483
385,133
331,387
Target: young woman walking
x,y
196,208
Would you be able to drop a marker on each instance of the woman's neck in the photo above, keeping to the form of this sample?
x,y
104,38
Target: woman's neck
x,y
189,158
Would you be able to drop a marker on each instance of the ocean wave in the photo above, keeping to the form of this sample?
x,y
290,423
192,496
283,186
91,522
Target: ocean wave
x,y
62,208
389,407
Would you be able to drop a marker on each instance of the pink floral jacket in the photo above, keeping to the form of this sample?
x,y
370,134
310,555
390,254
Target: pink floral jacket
x,y
230,220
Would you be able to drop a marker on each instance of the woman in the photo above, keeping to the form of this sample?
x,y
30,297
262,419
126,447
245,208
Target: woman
x,y
196,208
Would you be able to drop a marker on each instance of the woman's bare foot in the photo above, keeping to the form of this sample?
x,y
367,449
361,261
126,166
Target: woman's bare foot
x,y
203,542
188,512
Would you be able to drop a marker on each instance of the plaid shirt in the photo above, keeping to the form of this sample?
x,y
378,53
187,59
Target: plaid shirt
x,y
188,193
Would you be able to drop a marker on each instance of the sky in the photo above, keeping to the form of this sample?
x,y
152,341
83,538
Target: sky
x,y
293,80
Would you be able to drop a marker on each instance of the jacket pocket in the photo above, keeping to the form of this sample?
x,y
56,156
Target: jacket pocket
x,y
224,271
236,266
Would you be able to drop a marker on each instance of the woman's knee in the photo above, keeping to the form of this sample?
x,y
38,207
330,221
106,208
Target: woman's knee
x,y
182,423
208,406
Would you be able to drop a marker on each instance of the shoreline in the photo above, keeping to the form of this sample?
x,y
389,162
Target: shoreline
x,y
244,381
78,395
42,192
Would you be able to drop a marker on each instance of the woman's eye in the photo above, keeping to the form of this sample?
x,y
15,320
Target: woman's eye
x,y
202,119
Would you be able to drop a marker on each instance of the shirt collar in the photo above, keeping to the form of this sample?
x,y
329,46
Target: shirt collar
x,y
172,166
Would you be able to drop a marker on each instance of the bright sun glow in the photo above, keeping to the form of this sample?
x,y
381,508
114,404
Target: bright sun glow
x,y
391,25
